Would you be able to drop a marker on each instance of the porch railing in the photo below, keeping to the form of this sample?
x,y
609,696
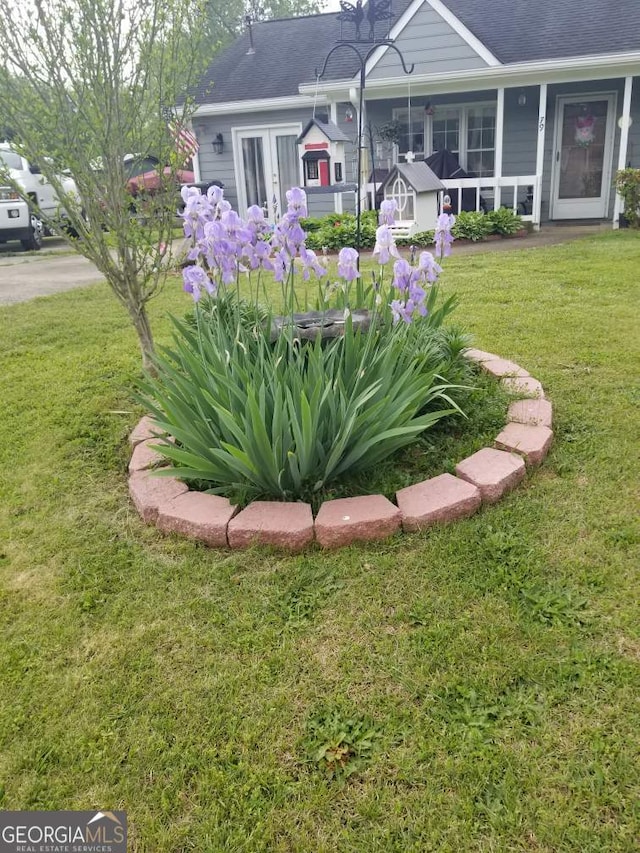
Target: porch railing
x,y
519,193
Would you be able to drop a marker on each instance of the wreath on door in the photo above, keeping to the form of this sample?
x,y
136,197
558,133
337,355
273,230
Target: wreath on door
x,y
585,129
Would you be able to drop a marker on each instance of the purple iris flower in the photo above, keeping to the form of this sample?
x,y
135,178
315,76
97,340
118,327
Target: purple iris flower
x,y
402,273
195,278
215,195
388,210
428,267
194,213
443,236
259,256
385,245
402,311
281,265
297,201
417,296
288,235
310,263
348,264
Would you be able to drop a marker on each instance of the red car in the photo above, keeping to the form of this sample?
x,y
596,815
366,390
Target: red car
x,y
144,174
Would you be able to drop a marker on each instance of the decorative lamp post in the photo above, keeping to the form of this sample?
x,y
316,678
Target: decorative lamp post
x,y
375,11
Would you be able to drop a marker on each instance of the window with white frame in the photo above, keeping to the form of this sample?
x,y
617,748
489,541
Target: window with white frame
x,y
481,141
411,138
469,131
445,131
404,197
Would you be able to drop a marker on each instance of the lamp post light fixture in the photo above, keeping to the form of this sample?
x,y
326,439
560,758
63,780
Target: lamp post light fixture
x,y
218,143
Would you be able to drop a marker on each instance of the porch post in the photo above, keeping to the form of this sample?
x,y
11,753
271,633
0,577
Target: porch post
x,y
333,116
624,143
497,170
542,126
197,175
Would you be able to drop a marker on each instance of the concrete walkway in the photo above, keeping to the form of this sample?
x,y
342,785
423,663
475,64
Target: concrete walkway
x,y
549,235
54,269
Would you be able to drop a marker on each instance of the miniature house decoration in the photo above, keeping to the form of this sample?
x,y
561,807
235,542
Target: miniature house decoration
x,y
415,188
321,145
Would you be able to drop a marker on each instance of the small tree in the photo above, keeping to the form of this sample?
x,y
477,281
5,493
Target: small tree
x,y
99,76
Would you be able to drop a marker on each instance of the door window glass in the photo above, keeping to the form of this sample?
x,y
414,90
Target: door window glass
x,y
288,165
253,163
582,151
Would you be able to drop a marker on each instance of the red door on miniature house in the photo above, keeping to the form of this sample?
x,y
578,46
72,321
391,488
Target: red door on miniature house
x,y
324,173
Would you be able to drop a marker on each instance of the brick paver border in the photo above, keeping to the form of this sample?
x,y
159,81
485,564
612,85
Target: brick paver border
x,y
483,477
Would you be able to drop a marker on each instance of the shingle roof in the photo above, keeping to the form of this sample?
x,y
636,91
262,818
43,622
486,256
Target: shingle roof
x,y
287,53
289,50
418,175
330,130
529,30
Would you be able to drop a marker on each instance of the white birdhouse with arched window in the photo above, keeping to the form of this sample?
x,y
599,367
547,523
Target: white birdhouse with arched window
x,y
321,146
415,190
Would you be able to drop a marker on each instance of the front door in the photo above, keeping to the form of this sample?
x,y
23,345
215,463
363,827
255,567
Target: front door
x,y
267,165
583,152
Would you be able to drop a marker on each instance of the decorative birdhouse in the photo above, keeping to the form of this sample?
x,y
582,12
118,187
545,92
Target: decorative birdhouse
x,y
321,146
415,189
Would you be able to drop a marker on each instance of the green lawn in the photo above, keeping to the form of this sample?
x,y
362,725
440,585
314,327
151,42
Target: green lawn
x,y
494,664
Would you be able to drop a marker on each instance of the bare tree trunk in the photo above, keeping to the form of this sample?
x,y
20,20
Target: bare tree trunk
x,y
140,319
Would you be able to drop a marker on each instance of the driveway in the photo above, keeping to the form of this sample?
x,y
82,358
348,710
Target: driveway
x,y
55,268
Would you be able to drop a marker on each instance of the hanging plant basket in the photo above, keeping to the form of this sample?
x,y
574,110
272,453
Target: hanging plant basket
x,y
390,132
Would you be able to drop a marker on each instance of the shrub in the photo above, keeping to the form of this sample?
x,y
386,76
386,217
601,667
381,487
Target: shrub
x,y
422,240
339,230
471,225
628,186
504,221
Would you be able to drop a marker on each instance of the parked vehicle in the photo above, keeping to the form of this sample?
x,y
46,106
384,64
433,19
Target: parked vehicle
x,y
20,219
146,176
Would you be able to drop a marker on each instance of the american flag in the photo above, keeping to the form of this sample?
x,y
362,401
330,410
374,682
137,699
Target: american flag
x,y
185,140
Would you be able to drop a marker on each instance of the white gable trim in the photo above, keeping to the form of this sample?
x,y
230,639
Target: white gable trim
x,y
447,15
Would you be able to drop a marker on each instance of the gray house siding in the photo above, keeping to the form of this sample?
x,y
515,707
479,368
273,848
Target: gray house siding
x,y
520,132
432,44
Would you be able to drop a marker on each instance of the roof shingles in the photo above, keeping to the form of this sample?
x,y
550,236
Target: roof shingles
x,y
288,51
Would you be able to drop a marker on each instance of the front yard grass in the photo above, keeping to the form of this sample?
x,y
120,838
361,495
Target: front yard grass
x,y
481,680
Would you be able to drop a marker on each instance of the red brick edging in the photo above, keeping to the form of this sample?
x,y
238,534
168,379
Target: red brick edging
x,y
481,478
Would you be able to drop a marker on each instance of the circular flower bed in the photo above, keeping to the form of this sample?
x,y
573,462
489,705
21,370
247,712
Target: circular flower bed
x,y
246,404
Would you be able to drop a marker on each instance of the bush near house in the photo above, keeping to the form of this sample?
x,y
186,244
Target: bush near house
x,y
504,221
471,225
339,229
628,186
